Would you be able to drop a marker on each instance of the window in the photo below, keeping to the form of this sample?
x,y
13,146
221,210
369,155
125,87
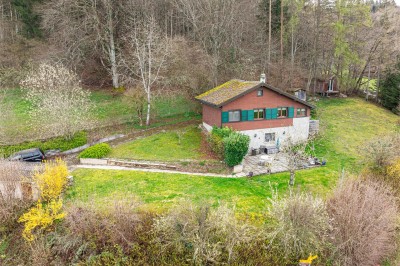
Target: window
x,y
258,113
282,112
234,116
269,137
301,111
260,93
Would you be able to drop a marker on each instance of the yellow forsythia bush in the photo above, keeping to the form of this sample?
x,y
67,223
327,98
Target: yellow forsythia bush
x,y
52,180
394,169
41,217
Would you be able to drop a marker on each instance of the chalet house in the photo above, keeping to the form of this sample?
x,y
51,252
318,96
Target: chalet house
x,y
268,115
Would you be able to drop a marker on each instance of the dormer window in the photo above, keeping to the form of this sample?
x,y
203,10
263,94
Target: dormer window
x,y
260,93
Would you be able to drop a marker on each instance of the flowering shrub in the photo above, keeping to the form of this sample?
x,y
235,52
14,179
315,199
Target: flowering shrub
x,y
41,217
52,180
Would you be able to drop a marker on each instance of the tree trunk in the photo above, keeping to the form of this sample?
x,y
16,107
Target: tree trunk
x,y
148,109
281,34
292,176
269,34
112,53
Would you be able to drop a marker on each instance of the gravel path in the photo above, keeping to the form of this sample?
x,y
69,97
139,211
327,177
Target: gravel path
x,y
108,167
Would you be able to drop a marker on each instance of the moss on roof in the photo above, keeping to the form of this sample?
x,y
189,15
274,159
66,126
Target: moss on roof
x,y
226,91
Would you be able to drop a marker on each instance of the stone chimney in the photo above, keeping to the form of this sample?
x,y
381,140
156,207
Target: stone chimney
x,y
263,78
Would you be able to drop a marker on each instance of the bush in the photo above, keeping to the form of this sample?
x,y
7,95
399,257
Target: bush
x,y
299,226
215,140
41,217
382,151
222,132
96,151
52,180
236,146
363,215
116,231
203,235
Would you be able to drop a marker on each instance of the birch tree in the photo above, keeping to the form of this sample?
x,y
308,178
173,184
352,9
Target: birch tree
x,y
145,56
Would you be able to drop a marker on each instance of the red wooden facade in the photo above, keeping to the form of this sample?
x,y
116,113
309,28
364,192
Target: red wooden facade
x,y
250,101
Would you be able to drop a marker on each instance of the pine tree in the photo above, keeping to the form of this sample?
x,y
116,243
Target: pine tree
x,y
390,89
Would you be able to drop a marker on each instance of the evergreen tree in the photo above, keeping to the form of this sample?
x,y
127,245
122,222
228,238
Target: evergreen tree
x,y
390,89
30,19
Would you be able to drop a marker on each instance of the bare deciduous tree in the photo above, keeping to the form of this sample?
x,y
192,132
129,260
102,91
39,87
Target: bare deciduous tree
x,y
144,56
79,26
295,154
60,107
137,97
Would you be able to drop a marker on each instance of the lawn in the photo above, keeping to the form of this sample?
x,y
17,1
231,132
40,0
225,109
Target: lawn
x,y
165,146
109,109
160,191
346,125
108,106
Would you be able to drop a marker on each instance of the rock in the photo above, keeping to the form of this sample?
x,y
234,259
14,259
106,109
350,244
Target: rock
x,y
238,168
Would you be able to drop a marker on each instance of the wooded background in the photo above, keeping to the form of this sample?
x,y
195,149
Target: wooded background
x,y
294,42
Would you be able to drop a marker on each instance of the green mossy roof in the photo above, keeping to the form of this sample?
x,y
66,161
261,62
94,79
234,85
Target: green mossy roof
x,y
226,91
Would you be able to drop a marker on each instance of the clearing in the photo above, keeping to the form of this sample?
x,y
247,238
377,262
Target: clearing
x,y
347,124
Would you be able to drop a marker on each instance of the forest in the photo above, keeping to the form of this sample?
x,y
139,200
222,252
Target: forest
x,y
195,45
114,82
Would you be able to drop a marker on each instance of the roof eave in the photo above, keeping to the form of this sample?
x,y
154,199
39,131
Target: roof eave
x,y
208,103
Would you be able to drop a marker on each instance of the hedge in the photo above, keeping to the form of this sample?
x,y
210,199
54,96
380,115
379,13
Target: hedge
x,y
236,146
79,139
96,151
229,145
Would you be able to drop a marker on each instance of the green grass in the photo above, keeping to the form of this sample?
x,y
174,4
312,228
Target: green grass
x,y
346,124
160,191
109,110
111,107
165,146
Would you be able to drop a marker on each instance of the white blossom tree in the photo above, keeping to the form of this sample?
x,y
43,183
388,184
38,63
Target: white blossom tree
x,y
60,107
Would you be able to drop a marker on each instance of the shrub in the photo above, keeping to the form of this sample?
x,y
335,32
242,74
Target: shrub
x,y
363,215
203,235
96,151
299,226
236,146
215,140
222,132
113,232
41,217
52,180
381,151
11,174
216,144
